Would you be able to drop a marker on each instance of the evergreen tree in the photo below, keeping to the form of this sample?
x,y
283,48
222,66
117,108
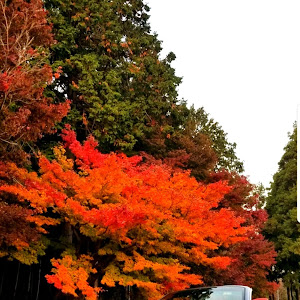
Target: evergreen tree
x,y
282,226
121,91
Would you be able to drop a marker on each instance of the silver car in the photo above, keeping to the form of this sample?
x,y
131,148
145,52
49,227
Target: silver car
x,y
225,292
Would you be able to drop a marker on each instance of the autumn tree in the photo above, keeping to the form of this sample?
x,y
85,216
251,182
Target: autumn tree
x,y
124,92
121,221
200,145
199,121
253,258
282,226
108,63
25,113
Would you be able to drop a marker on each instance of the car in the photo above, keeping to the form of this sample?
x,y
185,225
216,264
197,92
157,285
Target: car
x,y
225,292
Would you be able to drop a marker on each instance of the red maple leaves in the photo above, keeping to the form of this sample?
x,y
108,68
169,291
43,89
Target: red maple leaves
x,y
25,113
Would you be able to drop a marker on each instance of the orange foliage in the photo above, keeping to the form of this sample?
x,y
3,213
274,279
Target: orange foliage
x,y
70,275
149,220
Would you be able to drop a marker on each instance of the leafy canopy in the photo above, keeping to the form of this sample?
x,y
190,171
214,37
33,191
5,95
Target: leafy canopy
x,y
121,90
25,113
130,223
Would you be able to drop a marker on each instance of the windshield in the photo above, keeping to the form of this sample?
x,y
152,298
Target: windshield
x,y
217,293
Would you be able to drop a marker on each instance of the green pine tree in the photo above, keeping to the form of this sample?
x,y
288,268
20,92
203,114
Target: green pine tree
x,y
282,227
120,88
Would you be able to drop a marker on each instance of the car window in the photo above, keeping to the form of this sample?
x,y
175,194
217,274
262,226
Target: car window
x,y
234,293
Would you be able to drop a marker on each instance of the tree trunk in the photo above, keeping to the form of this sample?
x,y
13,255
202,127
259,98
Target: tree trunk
x,y
288,293
1,284
68,233
39,280
17,279
29,281
128,292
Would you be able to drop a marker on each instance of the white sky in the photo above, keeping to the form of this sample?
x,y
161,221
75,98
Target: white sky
x,y
240,60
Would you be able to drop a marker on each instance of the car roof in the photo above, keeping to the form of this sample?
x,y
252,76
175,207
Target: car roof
x,y
216,286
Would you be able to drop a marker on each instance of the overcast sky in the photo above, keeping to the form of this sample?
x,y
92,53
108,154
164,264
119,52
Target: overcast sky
x,y
240,60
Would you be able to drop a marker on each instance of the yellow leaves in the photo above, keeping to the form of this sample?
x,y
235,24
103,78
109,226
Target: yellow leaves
x,y
165,269
104,251
59,153
150,289
89,230
29,253
3,253
137,266
111,276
